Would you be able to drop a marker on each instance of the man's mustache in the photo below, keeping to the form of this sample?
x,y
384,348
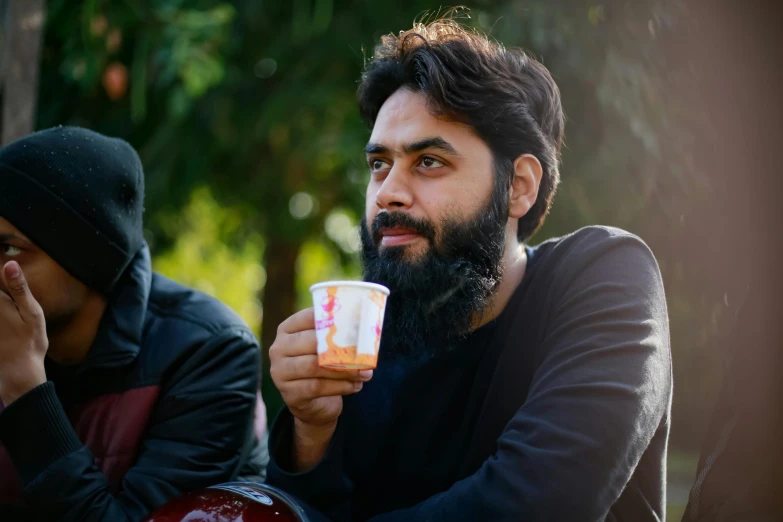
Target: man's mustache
x,y
401,219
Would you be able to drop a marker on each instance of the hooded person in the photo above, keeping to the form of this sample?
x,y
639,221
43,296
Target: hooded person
x,y
119,388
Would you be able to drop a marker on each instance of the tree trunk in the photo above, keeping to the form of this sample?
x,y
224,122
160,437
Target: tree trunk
x,y
24,21
279,302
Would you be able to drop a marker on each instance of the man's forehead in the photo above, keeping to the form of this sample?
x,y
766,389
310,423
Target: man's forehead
x,y
404,112
404,119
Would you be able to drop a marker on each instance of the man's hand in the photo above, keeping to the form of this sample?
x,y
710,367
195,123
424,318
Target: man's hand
x,y
23,341
313,394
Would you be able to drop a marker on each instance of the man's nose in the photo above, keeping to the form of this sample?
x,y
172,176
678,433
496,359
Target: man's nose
x,y
395,192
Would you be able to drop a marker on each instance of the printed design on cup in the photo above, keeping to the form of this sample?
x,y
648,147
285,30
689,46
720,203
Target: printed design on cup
x,y
372,326
379,299
330,305
335,355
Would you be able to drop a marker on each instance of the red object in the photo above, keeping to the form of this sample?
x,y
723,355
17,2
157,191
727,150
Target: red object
x,y
231,502
115,81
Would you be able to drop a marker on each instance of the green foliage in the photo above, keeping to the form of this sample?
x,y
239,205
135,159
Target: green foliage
x,y
211,252
256,100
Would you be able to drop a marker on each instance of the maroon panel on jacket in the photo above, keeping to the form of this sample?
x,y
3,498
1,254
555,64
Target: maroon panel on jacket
x,y
111,426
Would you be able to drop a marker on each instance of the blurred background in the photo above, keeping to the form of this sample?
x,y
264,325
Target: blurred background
x,y
243,113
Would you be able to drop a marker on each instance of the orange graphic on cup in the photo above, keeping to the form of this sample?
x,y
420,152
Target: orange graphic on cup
x,y
330,305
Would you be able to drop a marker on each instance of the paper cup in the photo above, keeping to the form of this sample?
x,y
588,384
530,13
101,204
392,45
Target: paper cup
x,y
348,323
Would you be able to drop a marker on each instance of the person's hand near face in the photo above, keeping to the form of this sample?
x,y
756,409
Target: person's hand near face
x,y
23,339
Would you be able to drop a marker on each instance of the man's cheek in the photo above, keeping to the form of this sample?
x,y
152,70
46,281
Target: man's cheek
x,y
370,216
38,293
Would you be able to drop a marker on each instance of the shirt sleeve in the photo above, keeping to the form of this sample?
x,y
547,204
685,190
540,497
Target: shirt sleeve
x,y
325,486
197,437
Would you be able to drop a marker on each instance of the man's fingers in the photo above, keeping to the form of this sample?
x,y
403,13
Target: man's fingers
x,y
302,320
303,342
306,367
309,389
5,300
19,291
299,343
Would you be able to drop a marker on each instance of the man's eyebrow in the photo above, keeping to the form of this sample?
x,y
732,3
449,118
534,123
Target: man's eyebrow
x,y
9,237
435,142
376,148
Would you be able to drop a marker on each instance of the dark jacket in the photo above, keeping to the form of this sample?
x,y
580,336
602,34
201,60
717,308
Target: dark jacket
x,y
165,403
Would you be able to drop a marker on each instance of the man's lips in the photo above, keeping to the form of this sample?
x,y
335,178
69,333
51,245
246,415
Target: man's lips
x,y
397,236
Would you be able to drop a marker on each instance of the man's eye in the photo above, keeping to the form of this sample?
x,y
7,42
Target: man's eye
x,y
9,250
430,163
378,164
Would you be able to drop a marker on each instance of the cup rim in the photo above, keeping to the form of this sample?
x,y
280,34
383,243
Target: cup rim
x,y
357,284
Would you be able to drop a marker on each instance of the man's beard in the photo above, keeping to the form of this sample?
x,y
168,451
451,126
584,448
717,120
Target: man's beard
x,y
436,297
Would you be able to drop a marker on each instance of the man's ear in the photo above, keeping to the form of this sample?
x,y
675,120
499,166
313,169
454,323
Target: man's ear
x,y
524,186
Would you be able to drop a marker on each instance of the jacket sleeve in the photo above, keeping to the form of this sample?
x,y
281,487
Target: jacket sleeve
x,y
599,394
200,434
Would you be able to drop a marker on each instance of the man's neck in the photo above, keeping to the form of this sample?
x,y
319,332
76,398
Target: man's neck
x,y
514,266
71,344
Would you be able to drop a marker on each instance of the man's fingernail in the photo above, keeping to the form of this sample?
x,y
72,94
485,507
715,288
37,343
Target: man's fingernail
x,y
357,386
12,269
365,375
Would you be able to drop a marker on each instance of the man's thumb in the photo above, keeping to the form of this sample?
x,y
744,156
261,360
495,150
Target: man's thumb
x,y
17,286
13,275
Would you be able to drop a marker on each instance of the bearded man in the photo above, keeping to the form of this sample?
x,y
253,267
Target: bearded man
x,y
515,383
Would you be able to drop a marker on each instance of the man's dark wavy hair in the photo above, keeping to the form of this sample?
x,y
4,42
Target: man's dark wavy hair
x,y
506,96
